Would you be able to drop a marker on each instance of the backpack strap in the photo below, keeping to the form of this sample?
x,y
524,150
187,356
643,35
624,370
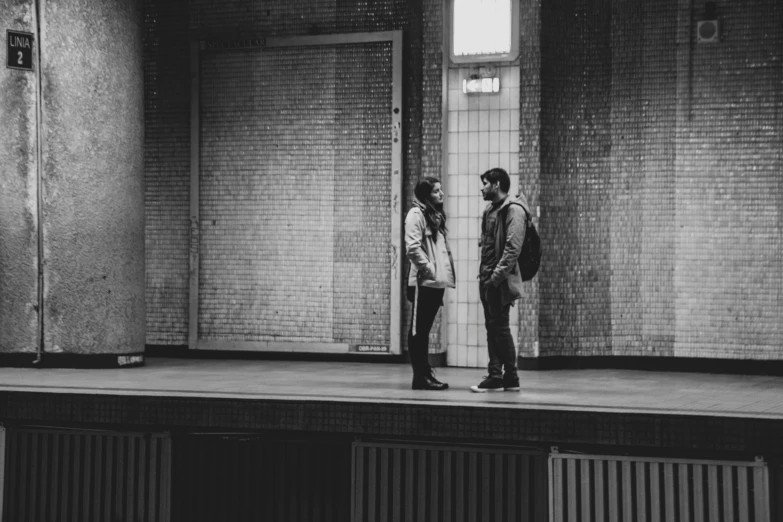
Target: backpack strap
x,y
504,211
502,219
524,207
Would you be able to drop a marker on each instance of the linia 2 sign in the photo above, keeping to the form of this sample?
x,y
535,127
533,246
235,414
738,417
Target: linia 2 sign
x,y
19,50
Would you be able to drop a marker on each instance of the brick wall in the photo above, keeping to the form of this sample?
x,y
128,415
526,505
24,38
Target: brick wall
x,y
661,188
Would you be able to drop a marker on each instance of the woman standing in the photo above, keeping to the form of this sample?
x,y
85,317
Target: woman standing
x,y
432,271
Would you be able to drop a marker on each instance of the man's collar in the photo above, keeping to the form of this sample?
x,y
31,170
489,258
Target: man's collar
x,y
496,204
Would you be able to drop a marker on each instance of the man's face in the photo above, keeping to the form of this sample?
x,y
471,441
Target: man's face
x,y
489,190
436,196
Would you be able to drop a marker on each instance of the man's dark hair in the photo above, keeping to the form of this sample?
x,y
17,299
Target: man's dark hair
x,y
495,175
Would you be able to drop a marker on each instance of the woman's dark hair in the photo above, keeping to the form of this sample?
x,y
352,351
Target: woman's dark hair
x,y
435,217
497,175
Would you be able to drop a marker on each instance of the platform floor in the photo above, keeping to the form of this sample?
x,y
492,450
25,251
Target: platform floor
x,y
620,391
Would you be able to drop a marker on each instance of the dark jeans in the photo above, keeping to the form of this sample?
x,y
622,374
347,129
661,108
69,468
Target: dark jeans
x,y
430,300
500,344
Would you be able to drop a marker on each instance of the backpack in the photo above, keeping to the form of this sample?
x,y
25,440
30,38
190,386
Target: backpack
x,y
529,259
530,256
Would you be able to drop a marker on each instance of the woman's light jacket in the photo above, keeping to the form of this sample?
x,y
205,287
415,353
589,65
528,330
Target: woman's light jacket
x,y
431,262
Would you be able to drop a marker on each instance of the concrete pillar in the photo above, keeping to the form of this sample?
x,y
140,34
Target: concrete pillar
x,y
18,192
92,183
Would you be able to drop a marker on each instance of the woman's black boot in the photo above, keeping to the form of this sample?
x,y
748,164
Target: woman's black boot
x,y
428,382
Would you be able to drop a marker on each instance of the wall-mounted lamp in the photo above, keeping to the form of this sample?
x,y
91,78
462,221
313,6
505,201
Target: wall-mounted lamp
x,y
708,29
480,85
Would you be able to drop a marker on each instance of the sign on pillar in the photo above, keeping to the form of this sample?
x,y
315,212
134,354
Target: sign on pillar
x,y
19,47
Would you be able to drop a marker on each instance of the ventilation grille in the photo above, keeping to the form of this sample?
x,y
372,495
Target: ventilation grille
x,y
89,477
647,490
394,483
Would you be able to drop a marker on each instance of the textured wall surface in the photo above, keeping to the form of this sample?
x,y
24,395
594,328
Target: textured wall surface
x,y
483,132
18,192
661,189
168,29
487,131
728,274
575,174
530,157
659,163
640,108
93,176
295,194
166,169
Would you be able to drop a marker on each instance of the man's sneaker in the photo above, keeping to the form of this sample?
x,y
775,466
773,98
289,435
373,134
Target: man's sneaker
x,y
511,383
491,383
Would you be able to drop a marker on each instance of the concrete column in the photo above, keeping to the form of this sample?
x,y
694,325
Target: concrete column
x,y
92,183
18,191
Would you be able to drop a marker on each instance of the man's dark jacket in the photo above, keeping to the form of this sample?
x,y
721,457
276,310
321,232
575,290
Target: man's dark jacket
x,y
509,234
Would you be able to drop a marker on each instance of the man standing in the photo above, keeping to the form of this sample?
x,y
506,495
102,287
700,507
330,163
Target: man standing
x,y
503,227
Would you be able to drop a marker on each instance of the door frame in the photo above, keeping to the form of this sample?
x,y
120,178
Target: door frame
x,y
231,43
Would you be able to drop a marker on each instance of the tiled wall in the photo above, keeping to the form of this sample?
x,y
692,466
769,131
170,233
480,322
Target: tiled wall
x,y
166,169
658,159
431,133
295,184
661,189
530,157
169,27
728,193
576,185
483,132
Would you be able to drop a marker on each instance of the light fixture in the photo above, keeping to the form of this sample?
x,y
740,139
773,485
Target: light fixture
x,y
480,85
708,29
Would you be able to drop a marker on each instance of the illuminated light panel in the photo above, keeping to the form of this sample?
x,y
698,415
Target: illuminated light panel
x,y
481,27
480,85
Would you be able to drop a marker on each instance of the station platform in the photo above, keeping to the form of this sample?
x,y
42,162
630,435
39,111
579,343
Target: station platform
x,y
237,440
635,409
616,391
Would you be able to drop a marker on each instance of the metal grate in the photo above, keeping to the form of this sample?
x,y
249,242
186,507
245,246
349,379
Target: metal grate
x,y
404,482
86,476
612,489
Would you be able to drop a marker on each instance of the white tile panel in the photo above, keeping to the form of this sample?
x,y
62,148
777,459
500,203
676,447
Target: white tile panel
x,y
483,121
453,100
473,141
473,121
494,120
453,125
514,121
494,141
462,123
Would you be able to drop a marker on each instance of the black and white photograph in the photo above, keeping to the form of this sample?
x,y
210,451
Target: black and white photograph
x,y
391,261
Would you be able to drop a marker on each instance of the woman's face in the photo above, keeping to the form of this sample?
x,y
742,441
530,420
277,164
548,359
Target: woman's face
x,y
436,196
